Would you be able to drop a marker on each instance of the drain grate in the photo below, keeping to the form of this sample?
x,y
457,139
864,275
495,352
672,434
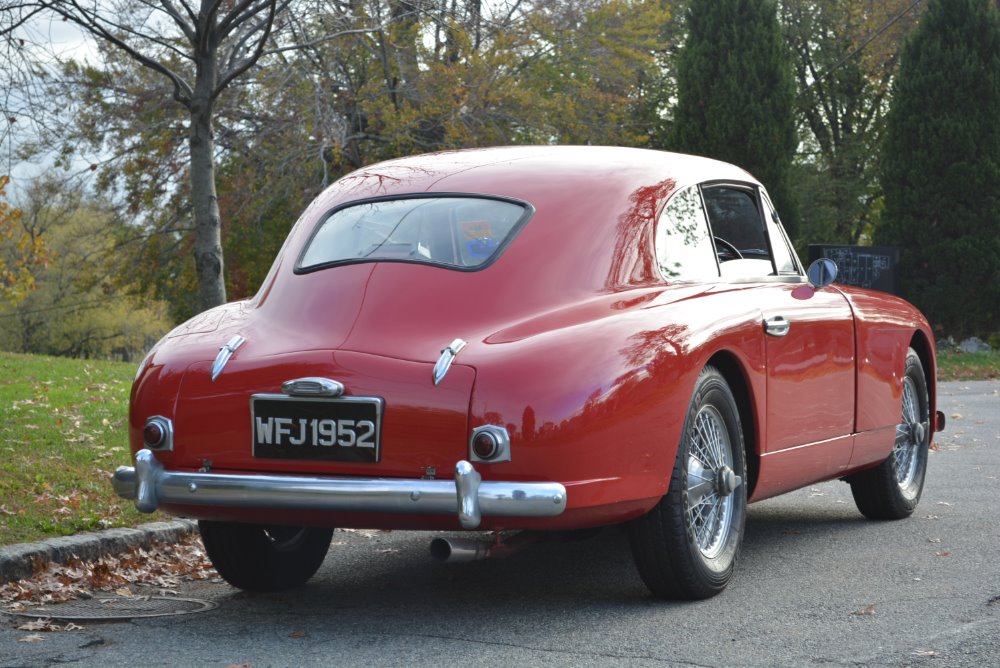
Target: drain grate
x,y
118,609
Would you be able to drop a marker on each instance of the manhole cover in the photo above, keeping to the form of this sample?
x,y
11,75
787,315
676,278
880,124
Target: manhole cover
x,y
116,609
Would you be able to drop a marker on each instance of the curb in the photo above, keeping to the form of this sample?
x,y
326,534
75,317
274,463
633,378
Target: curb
x,y
18,561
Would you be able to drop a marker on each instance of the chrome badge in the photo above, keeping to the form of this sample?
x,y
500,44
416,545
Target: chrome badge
x,y
447,357
225,352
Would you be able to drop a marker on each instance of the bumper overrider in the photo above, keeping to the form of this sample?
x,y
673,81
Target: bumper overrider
x,y
149,484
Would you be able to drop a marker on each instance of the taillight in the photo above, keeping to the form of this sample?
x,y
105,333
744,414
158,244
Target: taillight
x,y
489,444
158,434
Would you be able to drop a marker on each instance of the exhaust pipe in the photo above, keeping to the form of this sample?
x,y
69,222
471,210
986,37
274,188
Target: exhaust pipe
x,y
463,549
460,549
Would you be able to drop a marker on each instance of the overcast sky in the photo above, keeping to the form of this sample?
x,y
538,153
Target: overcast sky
x,y
46,36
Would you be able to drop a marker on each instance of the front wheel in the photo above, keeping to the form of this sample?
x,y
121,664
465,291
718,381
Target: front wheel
x,y
264,558
686,546
891,490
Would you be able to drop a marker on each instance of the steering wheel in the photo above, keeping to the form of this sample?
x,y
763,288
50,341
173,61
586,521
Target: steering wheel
x,y
727,248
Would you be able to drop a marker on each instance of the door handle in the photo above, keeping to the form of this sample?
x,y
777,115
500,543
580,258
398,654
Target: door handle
x,y
777,326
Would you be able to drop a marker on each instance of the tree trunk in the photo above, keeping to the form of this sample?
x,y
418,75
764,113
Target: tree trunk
x,y
205,202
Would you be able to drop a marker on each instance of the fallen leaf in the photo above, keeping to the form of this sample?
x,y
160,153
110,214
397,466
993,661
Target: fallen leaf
x,y
163,565
868,610
925,652
956,416
942,553
297,634
34,637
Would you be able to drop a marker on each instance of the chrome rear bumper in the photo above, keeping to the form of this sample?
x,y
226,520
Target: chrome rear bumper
x,y
149,484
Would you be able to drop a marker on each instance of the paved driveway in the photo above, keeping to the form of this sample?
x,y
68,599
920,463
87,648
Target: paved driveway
x,y
817,584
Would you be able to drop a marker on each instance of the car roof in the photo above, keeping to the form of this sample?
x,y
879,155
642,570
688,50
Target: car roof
x,y
517,171
594,215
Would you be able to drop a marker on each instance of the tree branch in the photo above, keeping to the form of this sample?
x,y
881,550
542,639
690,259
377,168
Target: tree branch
x,y
91,22
185,27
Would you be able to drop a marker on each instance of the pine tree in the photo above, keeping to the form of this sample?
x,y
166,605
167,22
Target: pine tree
x,y
941,166
736,92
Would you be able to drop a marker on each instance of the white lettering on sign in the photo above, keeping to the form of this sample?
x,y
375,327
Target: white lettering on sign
x,y
280,431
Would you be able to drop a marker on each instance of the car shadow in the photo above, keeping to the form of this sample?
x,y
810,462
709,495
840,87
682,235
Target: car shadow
x,y
390,573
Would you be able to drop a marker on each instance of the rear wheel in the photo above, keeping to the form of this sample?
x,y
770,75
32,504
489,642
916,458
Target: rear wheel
x,y
686,546
891,490
264,558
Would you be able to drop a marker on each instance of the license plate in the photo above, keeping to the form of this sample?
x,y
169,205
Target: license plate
x,y
344,429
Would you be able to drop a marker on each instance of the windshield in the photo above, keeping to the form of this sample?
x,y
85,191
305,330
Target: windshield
x,y
458,232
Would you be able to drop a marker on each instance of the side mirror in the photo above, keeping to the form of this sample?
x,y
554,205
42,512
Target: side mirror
x,y
822,272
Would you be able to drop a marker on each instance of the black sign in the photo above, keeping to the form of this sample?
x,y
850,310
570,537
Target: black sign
x,y
871,267
345,429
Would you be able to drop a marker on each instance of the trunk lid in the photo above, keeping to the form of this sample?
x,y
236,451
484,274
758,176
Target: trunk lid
x,y
423,430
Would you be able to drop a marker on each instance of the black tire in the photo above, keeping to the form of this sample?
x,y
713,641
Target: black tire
x,y
264,558
680,550
891,490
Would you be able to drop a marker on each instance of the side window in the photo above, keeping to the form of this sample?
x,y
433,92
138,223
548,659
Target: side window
x,y
739,232
683,245
784,256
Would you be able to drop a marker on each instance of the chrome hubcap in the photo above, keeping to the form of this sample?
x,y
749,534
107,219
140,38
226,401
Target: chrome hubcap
x,y
711,481
910,437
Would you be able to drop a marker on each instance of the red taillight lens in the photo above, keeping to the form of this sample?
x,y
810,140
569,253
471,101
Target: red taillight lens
x,y
153,435
485,445
489,444
158,434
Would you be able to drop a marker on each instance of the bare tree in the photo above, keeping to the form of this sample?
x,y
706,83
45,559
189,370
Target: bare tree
x,y
201,47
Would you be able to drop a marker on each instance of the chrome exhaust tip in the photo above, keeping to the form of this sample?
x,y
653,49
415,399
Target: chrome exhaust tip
x,y
459,549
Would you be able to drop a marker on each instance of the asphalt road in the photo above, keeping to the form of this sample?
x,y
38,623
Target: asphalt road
x,y
817,585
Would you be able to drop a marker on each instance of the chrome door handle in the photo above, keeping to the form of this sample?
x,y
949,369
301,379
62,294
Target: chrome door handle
x,y
777,326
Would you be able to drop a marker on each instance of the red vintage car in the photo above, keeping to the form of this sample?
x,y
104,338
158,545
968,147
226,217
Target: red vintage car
x,y
531,338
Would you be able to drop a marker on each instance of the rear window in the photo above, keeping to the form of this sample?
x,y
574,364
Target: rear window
x,y
457,232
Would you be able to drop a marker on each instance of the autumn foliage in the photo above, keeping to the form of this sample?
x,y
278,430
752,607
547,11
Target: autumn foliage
x,y
21,252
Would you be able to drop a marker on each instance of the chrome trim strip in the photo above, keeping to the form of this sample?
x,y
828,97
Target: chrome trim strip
x,y
447,357
225,352
150,485
312,387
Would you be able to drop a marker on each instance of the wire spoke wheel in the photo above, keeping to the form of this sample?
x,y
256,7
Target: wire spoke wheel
x,y
892,489
709,513
909,437
686,546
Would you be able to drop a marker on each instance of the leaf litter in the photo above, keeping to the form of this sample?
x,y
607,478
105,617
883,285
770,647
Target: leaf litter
x,y
162,565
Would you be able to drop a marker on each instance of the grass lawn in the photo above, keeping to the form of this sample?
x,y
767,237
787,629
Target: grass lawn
x,y
63,430
968,366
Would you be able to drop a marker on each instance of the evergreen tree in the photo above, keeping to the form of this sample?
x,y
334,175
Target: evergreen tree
x,y
941,166
736,93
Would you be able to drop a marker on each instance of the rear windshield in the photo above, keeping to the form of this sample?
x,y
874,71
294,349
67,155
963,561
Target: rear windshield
x,y
458,232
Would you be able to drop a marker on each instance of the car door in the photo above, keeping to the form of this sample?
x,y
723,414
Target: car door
x,y
808,333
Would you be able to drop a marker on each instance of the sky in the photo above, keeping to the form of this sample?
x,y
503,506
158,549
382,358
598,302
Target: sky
x,y
46,36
